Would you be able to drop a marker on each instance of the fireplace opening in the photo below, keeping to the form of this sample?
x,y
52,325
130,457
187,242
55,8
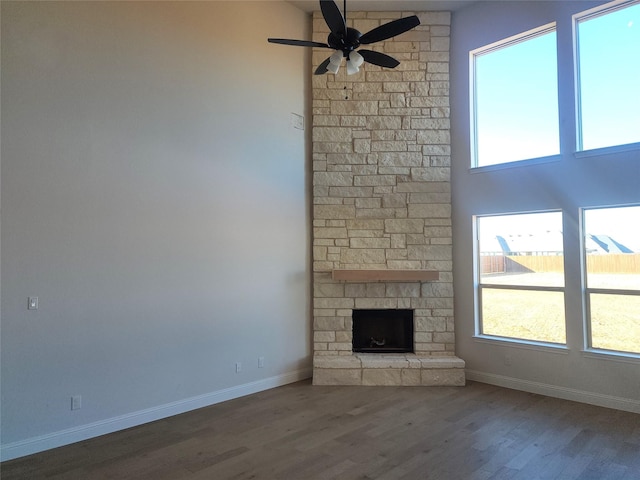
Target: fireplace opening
x,y
383,331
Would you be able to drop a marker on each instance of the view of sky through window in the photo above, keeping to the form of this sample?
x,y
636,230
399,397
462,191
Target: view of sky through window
x,y
516,101
537,232
622,224
609,74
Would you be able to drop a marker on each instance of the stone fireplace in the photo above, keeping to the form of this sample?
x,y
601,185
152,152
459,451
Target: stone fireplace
x,y
382,207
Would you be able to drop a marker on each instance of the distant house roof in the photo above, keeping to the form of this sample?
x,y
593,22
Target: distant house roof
x,y
605,244
543,242
549,242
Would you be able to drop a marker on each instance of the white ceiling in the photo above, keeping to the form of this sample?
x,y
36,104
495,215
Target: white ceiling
x,y
387,5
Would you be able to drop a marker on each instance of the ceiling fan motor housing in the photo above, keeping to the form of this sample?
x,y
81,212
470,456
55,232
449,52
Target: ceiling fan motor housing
x,y
348,43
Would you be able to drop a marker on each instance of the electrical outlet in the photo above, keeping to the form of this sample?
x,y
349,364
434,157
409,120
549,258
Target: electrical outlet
x,y
238,367
260,362
76,402
508,360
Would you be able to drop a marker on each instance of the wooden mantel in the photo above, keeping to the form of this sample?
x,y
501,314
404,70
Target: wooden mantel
x,y
385,275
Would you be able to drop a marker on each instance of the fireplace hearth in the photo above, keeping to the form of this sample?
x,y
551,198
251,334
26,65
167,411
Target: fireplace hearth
x,y
383,331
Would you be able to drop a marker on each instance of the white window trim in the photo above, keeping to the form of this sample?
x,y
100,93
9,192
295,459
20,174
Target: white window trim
x,y
478,286
473,54
576,19
598,152
587,291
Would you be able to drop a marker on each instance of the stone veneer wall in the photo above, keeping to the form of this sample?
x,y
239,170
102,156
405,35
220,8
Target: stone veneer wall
x,y
381,193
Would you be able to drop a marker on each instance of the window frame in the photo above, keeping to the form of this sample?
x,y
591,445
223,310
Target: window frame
x,y
473,128
587,291
479,286
598,11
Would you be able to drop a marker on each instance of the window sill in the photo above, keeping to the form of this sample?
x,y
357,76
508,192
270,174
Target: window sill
x,y
611,355
524,344
516,164
597,152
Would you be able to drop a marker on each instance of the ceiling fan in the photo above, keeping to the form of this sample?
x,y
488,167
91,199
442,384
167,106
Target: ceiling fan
x,y
345,40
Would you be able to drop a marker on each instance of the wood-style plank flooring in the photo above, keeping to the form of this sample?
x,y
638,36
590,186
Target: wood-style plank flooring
x,y
301,431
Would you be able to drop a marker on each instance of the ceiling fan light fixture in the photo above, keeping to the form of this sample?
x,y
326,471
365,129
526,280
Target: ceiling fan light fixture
x,y
335,60
354,60
352,68
333,67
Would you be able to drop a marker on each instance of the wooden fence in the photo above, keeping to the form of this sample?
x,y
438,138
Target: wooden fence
x,y
608,263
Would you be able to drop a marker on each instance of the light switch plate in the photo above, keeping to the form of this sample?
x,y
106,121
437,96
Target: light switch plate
x,y
33,303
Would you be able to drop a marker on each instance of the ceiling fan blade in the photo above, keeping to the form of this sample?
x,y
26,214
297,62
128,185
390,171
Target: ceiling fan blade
x,y
379,59
297,43
391,29
333,17
322,68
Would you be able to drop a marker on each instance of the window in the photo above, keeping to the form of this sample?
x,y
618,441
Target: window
x,y
515,99
608,42
612,269
520,266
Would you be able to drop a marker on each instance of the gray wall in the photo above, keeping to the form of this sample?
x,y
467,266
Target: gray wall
x,y
567,184
154,198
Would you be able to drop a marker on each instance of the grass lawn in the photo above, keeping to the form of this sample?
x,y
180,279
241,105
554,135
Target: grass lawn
x,y
539,316
615,322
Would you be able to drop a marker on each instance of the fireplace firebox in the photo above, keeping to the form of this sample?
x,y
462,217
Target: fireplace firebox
x,y
383,331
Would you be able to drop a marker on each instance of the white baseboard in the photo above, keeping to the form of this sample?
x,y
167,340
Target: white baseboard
x,y
608,401
84,432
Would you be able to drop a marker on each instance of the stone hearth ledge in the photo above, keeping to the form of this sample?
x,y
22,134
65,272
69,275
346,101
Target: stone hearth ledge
x,y
388,369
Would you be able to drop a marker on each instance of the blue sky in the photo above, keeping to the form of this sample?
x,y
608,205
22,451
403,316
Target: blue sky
x,y
517,101
609,58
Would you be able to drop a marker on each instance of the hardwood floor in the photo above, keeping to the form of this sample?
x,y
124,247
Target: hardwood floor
x,y
304,432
